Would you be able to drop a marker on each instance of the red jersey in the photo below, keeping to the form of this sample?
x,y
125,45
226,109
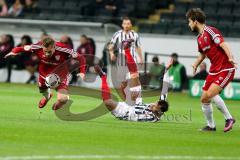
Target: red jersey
x,y
208,44
48,64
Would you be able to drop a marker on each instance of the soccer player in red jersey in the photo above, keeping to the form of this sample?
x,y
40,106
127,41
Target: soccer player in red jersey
x,y
52,55
212,45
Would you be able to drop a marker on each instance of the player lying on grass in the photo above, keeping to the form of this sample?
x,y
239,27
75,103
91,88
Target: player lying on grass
x,y
52,56
140,111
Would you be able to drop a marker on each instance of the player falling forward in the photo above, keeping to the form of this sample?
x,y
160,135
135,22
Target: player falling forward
x,y
211,44
52,55
140,111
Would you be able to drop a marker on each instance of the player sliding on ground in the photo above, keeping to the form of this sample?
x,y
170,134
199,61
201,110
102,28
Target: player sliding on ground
x,y
140,111
52,56
211,44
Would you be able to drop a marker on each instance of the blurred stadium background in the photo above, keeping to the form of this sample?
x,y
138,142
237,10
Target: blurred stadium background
x,y
160,23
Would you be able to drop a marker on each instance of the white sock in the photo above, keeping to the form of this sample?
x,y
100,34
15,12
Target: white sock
x,y
222,107
166,84
46,94
128,96
208,112
139,98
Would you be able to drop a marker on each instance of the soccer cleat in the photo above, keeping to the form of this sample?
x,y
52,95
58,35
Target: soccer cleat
x,y
43,101
229,124
55,107
208,129
99,70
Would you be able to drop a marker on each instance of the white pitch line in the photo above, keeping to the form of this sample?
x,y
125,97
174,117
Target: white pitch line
x,y
141,157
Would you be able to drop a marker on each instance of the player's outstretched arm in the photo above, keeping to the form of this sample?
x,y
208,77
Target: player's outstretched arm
x,y
17,50
198,61
9,54
227,51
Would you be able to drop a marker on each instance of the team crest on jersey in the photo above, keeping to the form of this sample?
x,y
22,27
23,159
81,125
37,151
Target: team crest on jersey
x,y
57,57
217,40
220,78
205,39
27,47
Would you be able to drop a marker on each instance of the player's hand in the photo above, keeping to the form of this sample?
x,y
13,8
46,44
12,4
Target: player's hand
x,y
113,57
194,69
141,61
9,54
232,62
82,75
169,64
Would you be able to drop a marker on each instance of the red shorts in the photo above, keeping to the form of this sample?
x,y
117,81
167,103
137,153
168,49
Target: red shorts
x,y
42,85
221,79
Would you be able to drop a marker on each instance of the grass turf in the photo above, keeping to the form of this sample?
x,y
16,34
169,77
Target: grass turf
x,y
23,133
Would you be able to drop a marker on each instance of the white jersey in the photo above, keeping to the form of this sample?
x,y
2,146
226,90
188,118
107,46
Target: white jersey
x,y
139,112
117,40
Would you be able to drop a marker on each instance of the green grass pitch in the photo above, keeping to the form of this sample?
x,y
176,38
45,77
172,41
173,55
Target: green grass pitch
x,y
24,136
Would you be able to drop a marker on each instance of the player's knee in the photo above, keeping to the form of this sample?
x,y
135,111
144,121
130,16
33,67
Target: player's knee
x,y
134,75
123,85
63,99
134,95
206,98
110,104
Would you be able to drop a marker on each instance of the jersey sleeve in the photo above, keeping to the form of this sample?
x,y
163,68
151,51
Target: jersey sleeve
x,y
216,36
27,48
80,58
114,38
138,42
200,49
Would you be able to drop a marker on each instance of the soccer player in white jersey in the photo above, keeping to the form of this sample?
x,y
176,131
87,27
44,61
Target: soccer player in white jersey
x,y
121,72
139,111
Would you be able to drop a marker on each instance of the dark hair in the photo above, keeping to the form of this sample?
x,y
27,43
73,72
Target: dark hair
x,y
126,19
48,41
84,36
174,55
196,14
155,59
10,40
164,105
27,38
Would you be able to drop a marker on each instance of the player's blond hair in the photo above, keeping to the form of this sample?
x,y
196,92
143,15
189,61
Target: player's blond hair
x,y
48,41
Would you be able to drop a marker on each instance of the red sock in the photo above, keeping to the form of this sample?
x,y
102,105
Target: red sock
x,y
132,67
105,89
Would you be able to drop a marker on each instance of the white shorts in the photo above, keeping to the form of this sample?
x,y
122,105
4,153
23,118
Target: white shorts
x,y
119,75
122,110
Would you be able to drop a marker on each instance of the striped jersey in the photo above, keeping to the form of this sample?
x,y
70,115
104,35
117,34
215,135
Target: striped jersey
x,y
141,113
117,40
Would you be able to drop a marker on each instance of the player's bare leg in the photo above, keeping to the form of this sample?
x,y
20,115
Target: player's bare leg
x,y
62,98
121,90
206,98
47,95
